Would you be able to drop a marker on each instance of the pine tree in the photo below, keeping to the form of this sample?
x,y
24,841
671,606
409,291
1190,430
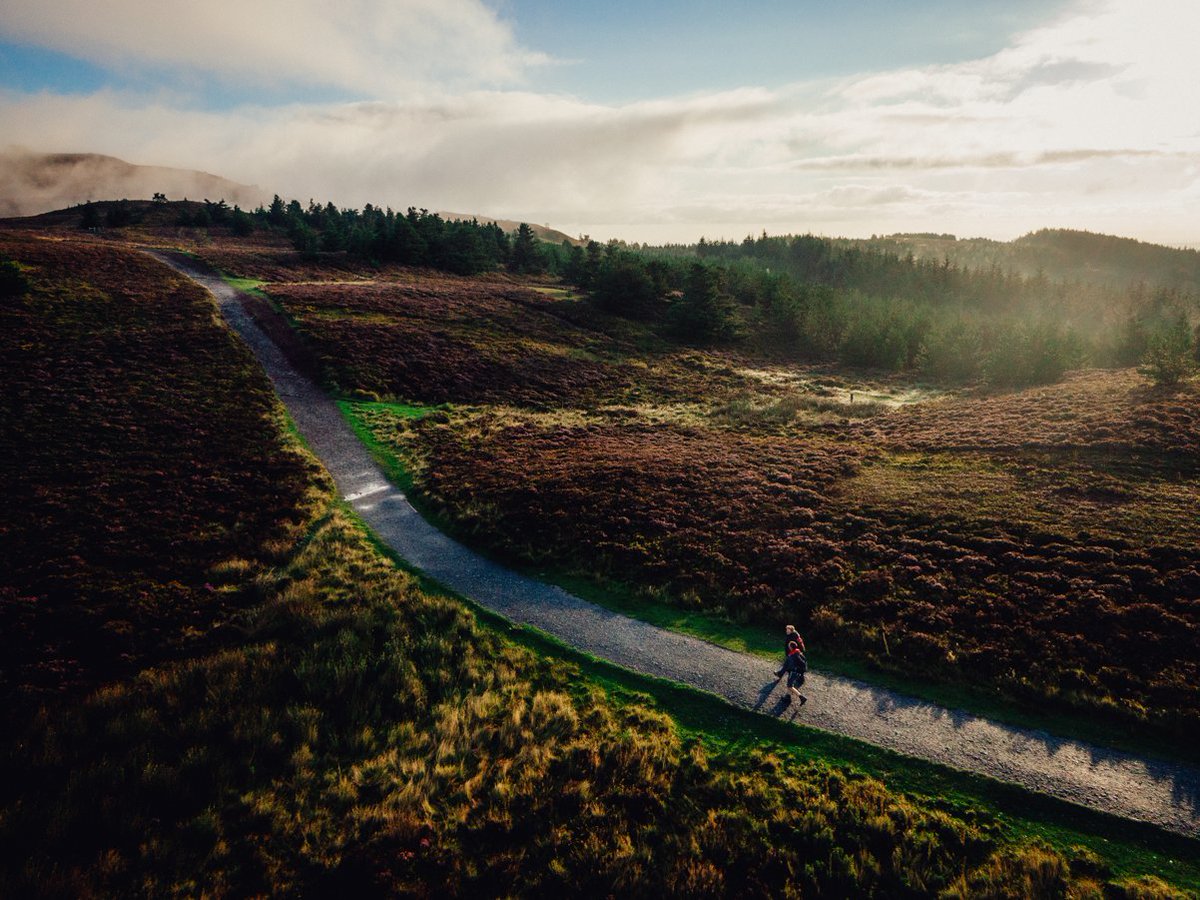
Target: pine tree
x,y
526,256
704,313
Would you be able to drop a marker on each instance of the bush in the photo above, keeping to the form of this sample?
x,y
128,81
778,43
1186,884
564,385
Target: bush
x,y
12,280
1032,354
1169,358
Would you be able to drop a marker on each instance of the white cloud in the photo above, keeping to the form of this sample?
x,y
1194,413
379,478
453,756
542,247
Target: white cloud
x,y
380,48
1085,122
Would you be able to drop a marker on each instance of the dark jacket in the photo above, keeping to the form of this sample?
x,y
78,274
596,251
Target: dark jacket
x,y
795,662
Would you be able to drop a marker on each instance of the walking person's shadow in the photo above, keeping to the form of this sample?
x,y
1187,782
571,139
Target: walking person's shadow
x,y
779,707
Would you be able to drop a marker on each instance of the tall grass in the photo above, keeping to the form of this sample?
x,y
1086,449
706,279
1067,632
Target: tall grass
x,y
369,736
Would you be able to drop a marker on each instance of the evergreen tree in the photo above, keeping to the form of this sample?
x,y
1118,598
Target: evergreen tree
x,y
575,268
624,287
704,313
276,214
241,222
407,247
526,254
91,217
1170,358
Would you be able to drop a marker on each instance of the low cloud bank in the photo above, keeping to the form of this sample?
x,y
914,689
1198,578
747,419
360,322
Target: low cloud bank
x,y
33,183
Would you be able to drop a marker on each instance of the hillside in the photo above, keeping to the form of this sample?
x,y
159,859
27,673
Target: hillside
x,y
217,684
591,443
542,232
1060,254
34,183
761,491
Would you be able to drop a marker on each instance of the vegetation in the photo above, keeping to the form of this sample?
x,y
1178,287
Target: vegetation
x,y
811,299
1170,357
13,282
951,311
1059,254
322,724
1017,566
918,540
367,737
415,238
861,305
114,378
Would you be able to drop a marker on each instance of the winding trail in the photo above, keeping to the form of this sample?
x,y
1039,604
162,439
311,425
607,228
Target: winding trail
x,y
1153,791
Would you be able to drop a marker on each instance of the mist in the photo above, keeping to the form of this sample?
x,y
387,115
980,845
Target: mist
x,y
33,183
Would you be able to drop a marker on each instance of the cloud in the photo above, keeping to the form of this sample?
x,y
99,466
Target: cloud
x,y
1085,122
486,151
377,48
1004,160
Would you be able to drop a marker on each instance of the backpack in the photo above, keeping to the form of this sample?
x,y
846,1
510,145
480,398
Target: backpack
x,y
799,662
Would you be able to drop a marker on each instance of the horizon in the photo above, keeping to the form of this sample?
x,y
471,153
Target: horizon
x,y
650,126
503,220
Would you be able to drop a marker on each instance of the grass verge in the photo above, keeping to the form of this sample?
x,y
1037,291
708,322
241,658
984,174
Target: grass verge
x,y
1133,849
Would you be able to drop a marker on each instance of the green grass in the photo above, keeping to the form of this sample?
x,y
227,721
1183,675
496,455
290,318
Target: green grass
x,y
555,292
765,642
1132,848
247,285
392,467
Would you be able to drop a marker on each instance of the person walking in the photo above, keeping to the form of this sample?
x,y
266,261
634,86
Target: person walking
x,y
790,636
795,665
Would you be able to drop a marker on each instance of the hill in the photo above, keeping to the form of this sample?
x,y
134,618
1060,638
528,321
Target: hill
x,y
34,183
1058,254
214,678
542,232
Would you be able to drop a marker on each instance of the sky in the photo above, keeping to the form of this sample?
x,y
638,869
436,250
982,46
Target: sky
x,y
648,122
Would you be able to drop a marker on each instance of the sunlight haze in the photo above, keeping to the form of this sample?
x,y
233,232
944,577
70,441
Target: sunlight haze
x,y
664,125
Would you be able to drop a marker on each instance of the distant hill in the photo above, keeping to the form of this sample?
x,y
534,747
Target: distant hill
x,y
34,183
1059,253
542,232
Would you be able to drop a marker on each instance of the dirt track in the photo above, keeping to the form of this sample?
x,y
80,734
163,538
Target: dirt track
x,y
1146,790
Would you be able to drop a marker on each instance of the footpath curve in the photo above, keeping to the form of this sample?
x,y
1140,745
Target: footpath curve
x,y
1147,790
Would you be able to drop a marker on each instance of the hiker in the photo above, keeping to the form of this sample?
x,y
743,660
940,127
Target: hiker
x,y
791,635
795,665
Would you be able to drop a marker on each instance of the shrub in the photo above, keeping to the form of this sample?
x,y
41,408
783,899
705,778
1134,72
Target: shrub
x,y
1028,354
1169,358
13,282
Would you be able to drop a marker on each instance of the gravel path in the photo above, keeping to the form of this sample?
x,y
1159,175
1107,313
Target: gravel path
x,y
1146,790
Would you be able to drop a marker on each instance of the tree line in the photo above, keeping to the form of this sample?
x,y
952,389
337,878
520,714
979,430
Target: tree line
x,y
413,238
809,298
802,296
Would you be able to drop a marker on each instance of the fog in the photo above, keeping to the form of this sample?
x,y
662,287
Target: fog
x,y
32,183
